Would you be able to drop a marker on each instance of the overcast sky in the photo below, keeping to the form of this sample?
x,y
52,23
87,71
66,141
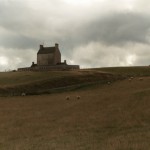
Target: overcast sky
x,y
91,33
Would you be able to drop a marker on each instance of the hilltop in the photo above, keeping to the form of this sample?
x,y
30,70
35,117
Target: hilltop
x,y
32,83
14,83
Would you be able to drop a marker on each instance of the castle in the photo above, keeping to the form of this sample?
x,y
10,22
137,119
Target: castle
x,y
49,58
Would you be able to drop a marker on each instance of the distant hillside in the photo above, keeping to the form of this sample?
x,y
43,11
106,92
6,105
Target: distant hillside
x,y
14,83
108,117
127,71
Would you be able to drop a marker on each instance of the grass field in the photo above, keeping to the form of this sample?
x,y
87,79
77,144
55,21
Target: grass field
x,y
14,83
128,71
107,117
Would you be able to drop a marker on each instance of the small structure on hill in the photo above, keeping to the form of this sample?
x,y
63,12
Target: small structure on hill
x,y
49,58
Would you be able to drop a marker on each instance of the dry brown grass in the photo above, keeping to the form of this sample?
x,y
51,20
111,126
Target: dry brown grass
x,y
109,117
127,71
15,83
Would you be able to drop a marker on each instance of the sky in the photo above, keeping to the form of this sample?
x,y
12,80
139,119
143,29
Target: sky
x,y
90,33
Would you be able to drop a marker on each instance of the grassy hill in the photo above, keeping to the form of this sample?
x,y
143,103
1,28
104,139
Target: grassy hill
x,y
14,83
128,71
112,116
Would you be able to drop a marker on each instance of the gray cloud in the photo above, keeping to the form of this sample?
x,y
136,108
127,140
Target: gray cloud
x,y
96,54
118,28
106,35
18,41
14,58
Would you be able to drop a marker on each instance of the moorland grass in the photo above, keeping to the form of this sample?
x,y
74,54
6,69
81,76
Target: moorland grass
x,y
135,71
15,83
108,117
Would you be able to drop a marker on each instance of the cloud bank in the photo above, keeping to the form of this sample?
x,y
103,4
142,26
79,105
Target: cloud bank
x,y
92,33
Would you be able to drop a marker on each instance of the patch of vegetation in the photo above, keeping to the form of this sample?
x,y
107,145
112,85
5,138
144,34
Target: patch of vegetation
x,y
108,117
14,83
142,94
47,82
127,71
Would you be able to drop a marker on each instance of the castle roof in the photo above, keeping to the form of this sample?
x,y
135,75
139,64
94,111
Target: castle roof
x,y
46,50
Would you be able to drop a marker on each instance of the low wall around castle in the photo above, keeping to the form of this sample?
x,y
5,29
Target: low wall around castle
x,y
50,68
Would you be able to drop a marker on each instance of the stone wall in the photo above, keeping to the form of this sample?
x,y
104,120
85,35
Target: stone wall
x,y
45,59
57,56
49,56
50,68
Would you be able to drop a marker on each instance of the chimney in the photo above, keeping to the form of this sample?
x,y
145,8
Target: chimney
x,y
65,62
41,46
56,45
32,64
